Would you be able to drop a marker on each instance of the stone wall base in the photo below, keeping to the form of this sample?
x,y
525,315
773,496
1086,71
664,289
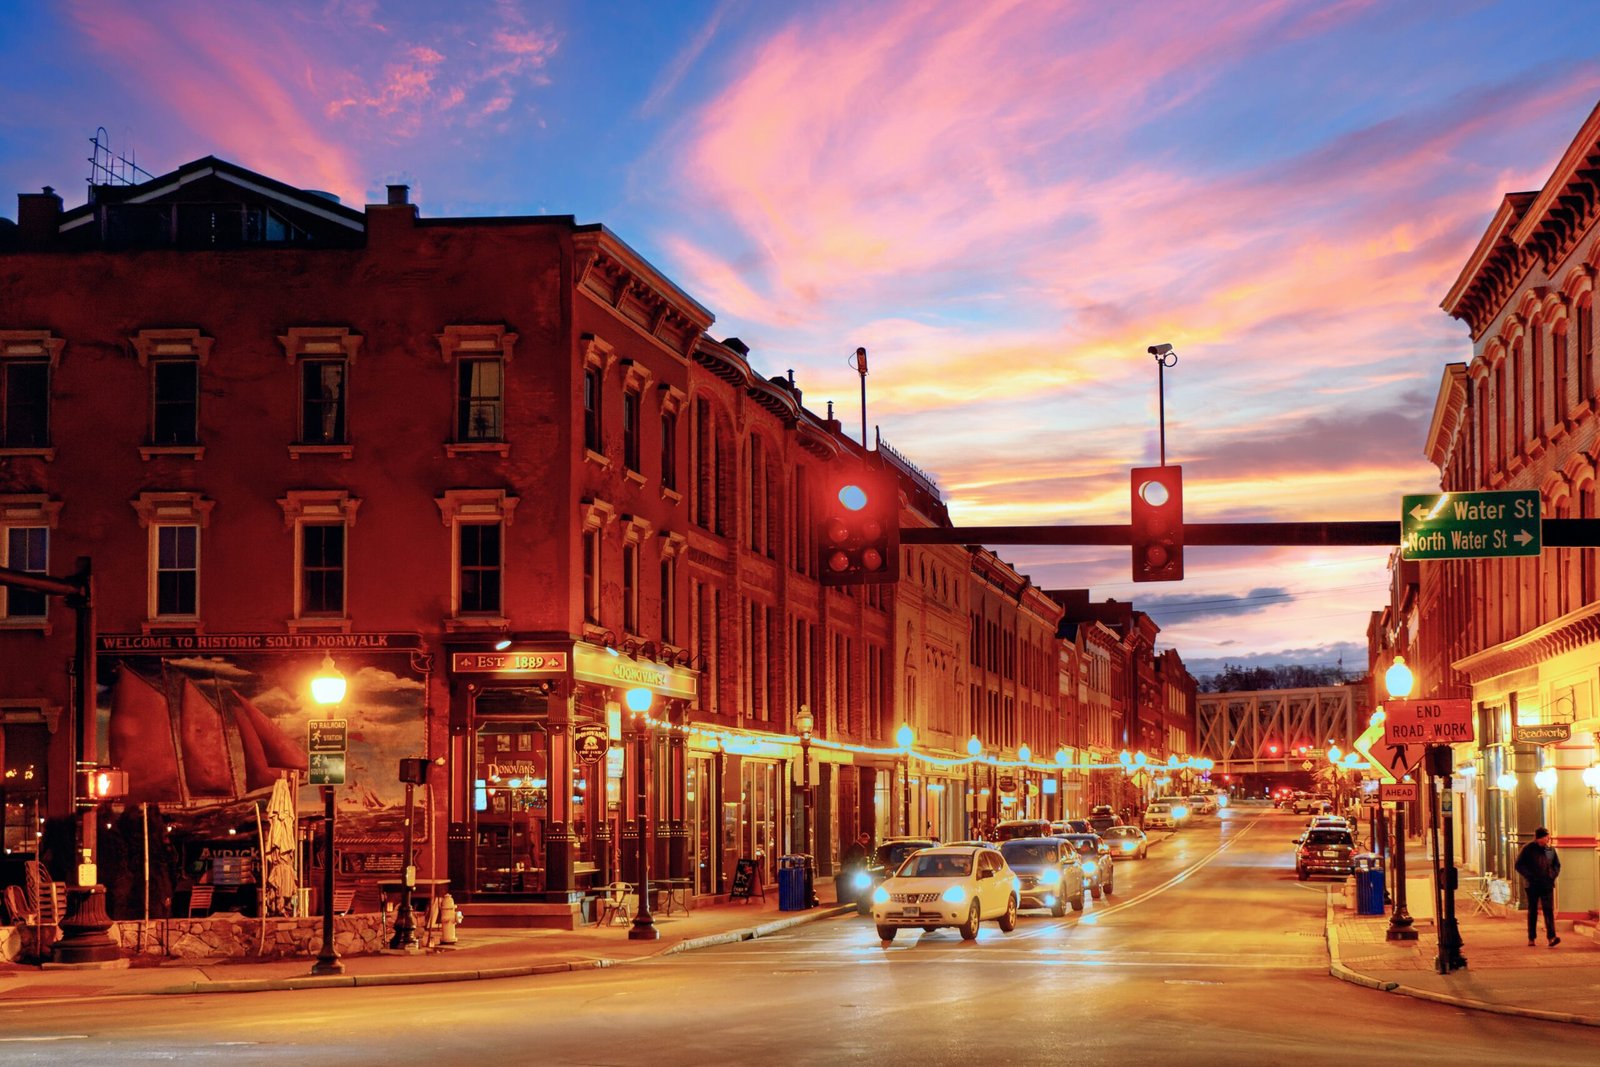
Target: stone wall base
x,y
214,937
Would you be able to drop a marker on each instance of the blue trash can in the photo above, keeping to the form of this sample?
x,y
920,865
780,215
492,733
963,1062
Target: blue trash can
x,y
791,883
1369,892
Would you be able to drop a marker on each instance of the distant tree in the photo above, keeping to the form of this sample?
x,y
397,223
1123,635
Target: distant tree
x,y
1236,678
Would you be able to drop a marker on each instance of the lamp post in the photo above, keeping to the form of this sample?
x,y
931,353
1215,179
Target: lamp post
x,y
803,723
970,811
644,924
1024,756
1061,785
327,690
1398,681
903,737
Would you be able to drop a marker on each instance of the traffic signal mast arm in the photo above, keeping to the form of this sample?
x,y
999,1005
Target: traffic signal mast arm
x,y
1558,533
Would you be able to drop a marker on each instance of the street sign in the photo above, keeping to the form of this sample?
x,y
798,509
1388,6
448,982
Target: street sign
x,y
327,735
326,768
1399,791
1393,762
1305,765
1428,722
1470,525
1544,733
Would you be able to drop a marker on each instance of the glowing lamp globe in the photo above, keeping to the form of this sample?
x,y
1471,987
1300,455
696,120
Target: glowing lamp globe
x,y
904,736
1025,754
974,746
327,685
637,700
1507,782
1398,679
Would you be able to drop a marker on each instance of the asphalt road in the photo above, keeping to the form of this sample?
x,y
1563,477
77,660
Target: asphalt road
x,y
1210,953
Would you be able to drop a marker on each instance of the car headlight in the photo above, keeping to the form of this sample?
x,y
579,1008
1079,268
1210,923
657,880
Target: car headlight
x,y
955,895
1090,867
1128,846
1180,813
1050,877
880,895
862,880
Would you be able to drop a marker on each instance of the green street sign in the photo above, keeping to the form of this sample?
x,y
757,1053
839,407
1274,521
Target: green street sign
x,y
1470,525
327,768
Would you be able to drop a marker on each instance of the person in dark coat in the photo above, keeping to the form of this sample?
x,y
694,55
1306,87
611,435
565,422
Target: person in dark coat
x,y
857,852
1540,867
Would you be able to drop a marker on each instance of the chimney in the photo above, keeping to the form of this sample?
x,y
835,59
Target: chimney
x,y
38,216
399,194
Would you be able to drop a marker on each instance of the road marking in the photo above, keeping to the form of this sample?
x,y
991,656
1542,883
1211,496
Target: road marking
x,y
48,1037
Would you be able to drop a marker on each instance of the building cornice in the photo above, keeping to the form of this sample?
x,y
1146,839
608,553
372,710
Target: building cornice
x,y
1570,631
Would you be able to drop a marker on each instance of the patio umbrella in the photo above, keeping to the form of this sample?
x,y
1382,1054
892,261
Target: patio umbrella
x,y
278,855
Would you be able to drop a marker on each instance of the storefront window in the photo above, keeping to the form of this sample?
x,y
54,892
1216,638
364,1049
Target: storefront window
x,y
759,815
701,798
22,789
511,803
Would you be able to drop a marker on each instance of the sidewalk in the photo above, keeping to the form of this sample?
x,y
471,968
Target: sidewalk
x,y
481,953
1502,975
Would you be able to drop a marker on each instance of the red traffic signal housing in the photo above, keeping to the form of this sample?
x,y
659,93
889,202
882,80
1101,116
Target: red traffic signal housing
x,y
858,528
1157,523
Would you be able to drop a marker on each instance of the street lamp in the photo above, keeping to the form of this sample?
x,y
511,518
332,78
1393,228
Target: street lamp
x,y
804,721
1398,681
644,924
903,737
327,691
974,749
1061,785
1024,755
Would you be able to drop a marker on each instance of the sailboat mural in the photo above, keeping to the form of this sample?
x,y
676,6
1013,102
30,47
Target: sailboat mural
x,y
180,746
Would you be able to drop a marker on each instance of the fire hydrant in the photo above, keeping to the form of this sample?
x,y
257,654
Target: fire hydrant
x,y
449,918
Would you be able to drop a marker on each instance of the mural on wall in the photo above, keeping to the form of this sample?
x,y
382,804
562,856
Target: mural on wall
x,y
204,726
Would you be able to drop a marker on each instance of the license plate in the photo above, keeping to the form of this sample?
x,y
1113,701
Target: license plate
x,y
912,910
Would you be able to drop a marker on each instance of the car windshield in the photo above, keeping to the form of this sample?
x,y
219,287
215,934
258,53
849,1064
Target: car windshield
x,y
936,865
1328,838
1029,853
1158,808
893,855
1083,842
1121,831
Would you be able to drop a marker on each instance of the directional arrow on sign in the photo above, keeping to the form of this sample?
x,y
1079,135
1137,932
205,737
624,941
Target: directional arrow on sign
x,y
1394,762
1523,537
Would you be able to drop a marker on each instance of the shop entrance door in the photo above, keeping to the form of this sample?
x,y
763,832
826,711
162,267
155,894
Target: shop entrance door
x,y
511,803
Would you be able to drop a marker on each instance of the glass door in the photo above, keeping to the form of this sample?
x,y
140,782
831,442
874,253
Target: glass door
x,y
701,797
511,803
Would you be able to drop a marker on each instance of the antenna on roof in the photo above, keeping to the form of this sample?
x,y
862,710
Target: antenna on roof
x,y
108,167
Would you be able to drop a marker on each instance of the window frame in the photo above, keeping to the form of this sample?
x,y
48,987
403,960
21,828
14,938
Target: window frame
x,y
477,507
26,511
463,347
321,508
159,511
29,348
303,347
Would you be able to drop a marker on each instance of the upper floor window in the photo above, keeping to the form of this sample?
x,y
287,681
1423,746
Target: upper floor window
x,y
320,520
597,515
591,411
27,358
323,357
630,429
481,355
174,521
478,519
26,522
669,450
635,532
175,358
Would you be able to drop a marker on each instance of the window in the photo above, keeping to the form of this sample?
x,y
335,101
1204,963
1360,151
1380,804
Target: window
x,y
27,549
630,430
591,576
177,571
669,450
479,568
175,521
322,358
669,602
480,354
321,520
175,358
630,589
591,411
478,519
26,359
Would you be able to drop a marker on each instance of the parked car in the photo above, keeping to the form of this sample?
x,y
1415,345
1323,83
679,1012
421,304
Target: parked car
x,y
974,843
1202,804
1013,828
1159,816
856,885
1325,850
948,886
1049,870
1070,826
1126,842
1095,855
1306,805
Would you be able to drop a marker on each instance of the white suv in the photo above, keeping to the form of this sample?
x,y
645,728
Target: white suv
x,y
1160,815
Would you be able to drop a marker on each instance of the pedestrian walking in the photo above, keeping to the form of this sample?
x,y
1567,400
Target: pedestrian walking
x,y
1540,867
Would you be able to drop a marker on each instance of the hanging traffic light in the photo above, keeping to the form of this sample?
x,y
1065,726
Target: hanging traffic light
x,y
858,530
1157,529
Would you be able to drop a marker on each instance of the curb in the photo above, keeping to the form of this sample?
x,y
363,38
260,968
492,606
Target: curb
x,y
343,981
1338,970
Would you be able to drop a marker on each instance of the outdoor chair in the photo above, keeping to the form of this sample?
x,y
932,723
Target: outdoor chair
x,y
344,900
200,900
17,910
48,898
614,904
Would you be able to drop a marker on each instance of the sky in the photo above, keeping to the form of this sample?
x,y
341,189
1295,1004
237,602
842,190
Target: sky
x,y
1006,203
